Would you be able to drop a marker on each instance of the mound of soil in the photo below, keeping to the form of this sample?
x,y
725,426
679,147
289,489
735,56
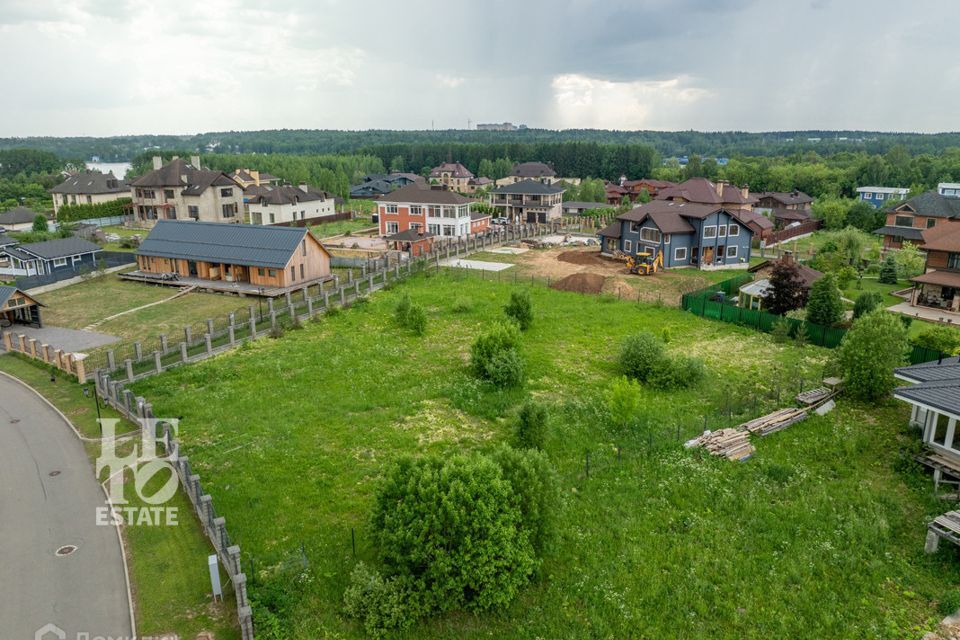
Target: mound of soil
x,y
581,283
587,258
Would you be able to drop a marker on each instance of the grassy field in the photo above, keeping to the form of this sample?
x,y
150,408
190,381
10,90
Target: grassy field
x,y
339,227
820,535
169,576
86,303
855,288
123,232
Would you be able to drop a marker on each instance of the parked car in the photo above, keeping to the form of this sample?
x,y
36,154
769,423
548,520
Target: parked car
x,y
500,221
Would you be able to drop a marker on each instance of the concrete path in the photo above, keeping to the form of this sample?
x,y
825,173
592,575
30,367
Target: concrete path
x,y
72,340
475,264
85,591
926,313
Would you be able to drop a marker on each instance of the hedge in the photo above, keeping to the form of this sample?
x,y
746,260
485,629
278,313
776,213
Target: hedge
x,y
74,212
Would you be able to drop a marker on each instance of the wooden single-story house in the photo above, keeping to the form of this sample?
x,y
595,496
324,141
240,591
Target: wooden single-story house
x,y
414,241
753,293
689,235
248,257
17,307
794,200
579,208
47,257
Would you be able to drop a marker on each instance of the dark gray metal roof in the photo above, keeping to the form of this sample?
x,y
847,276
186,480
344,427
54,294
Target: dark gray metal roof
x,y
931,204
59,248
7,291
943,395
946,369
91,182
577,204
910,233
245,244
529,187
19,215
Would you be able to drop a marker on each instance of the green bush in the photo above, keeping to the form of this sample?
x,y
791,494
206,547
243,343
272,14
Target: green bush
x,y
865,303
943,339
824,305
531,428
495,355
845,275
411,316
678,372
40,223
520,309
75,212
461,305
888,271
537,488
402,309
639,354
950,602
780,330
623,401
381,605
873,347
455,528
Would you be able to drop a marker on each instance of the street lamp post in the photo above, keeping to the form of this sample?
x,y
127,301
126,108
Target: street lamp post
x,y
96,401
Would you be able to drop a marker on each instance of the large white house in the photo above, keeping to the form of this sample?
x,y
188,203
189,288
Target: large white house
x,y
180,190
88,187
288,205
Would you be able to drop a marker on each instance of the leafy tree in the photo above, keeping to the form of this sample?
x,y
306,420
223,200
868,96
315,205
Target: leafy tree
x,y
787,291
910,260
531,428
623,400
644,196
537,487
865,217
833,211
825,305
943,339
40,223
520,309
396,163
873,347
888,271
865,303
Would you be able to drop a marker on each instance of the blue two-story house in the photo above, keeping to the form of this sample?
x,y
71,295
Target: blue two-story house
x,y
879,197
704,236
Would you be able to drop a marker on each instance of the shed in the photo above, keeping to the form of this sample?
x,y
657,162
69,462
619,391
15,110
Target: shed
x,y
17,307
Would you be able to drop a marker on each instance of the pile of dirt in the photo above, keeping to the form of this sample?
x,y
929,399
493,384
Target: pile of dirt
x,y
586,258
581,283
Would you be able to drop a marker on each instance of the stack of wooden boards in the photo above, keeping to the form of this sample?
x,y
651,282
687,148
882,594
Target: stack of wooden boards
x,y
732,444
772,422
813,396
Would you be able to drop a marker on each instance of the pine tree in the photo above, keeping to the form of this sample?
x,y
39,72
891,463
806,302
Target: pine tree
x,y
825,305
888,272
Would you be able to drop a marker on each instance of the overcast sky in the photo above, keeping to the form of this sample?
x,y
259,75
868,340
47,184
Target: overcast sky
x,y
92,67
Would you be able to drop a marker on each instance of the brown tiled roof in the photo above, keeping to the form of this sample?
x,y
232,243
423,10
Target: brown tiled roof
x,y
653,182
794,197
790,214
701,190
532,170
288,194
808,275
456,169
410,235
752,217
180,173
417,194
612,230
943,278
942,237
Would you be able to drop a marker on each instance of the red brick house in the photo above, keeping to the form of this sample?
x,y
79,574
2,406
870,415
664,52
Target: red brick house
x,y
651,185
794,200
939,285
907,221
436,210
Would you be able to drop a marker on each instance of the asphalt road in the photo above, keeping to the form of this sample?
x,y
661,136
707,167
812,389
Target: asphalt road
x,y
85,591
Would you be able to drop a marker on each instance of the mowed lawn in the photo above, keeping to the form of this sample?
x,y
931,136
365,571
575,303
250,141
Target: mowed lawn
x,y
820,535
81,305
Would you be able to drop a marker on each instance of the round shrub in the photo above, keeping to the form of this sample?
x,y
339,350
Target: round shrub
x,y
865,303
505,368
680,372
639,354
873,347
417,319
495,355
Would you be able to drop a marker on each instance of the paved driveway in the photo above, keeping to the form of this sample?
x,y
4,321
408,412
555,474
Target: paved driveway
x,y
85,591
72,340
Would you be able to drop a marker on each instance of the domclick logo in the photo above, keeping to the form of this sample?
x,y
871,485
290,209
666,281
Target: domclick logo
x,y
53,632
143,463
50,632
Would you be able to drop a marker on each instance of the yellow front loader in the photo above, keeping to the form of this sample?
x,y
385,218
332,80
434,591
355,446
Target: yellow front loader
x,y
645,264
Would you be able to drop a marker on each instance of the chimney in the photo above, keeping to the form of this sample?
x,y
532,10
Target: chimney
x,y
157,162
195,161
304,187
255,174
623,179
745,191
720,184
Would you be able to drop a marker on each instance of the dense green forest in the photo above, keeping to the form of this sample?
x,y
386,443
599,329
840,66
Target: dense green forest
x,y
666,143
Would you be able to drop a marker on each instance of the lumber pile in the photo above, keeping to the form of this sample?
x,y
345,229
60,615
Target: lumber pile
x,y
813,396
772,422
732,444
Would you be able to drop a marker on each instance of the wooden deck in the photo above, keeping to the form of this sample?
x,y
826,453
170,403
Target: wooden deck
x,y
221,286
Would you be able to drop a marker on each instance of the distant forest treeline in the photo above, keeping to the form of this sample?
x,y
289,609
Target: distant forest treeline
x,y
666,143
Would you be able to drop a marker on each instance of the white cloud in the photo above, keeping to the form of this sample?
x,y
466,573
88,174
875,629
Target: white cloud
x,y
583,101
449,82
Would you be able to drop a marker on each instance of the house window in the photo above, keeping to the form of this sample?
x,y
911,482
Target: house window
x,y
271,273
416,210
627,246
433,211
953,261
172,213
303,247
733,230
434,229
880,196
680,253
229,210
301,271
666,238
867,195
60,262
649,234
391,208
903,221
273,218
931,222
449,229
148,193
710,232
293,273
722,231
732,251
226,192
193,212
168,193
393,227
260,272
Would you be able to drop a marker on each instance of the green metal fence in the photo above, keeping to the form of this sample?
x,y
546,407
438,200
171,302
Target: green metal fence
x,y
708,303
